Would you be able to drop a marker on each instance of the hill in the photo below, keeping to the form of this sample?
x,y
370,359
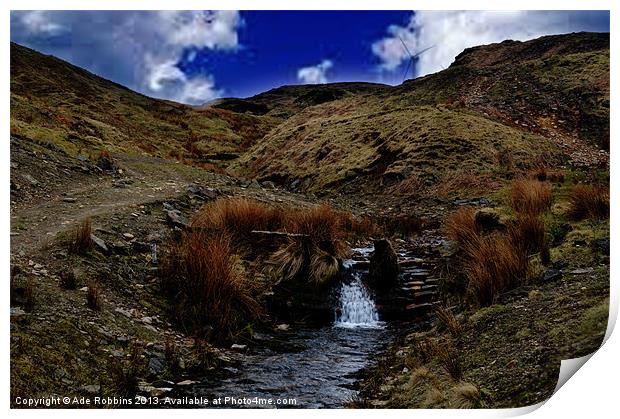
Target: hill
x,y
55,102
497,107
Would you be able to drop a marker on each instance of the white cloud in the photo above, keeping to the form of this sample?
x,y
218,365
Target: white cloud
x,y
139,48
316,74
452,31
39,22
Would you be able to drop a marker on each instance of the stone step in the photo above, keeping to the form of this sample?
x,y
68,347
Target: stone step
x,y
419,307
433,281
424,294
429,287
410,262
413,283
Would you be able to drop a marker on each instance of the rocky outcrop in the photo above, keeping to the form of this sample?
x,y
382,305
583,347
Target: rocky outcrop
x,y
384,270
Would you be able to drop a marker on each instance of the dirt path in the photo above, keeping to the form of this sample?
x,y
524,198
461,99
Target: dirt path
x,y
144,180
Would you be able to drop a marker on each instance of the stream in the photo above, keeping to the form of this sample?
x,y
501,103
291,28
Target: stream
x,y
316,367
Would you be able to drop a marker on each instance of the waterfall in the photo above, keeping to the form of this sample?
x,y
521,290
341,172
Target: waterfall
x,y
357,309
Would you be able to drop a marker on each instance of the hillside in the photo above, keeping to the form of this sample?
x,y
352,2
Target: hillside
x,y
55,102
514,104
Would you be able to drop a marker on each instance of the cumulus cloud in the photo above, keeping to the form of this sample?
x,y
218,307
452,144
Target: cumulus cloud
x,y
316,74
452,31
38,22
140,49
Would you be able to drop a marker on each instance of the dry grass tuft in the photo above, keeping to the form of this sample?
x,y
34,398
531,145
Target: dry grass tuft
x,y
529,196
543,173
449,359
203,280
410,186
93,296
237,218
447,319
461,227
320,223
81,240
587,201
125,373
323,266
68,280
30,295
287,263
466,396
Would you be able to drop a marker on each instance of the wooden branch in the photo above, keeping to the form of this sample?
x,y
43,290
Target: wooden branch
x,y
279,233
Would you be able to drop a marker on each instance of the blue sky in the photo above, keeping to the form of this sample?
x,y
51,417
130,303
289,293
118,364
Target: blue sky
x,y
196,56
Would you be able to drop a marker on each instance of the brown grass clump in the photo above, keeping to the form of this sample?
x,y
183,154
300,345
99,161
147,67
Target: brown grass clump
x,y
206,286
67,279
529,196
323,266
125,374
587,201
449,359
93,296
30,295
237,218
81,240
495,264
466,396
527,234
288,262
173,359
543,173
461,227
447,319
320,223
412,185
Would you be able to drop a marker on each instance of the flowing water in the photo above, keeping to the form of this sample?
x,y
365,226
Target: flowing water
x,y
357,309
316,367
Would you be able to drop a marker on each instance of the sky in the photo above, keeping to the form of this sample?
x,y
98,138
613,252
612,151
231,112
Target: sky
x,y
197,56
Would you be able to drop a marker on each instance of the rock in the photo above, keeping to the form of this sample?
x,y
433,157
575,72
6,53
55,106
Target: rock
x,y
92,389
551,275
141,247
17,314
488,219
157,366
147,320
383,271
124,312
601,245
30,179
105,163
128,236
186,383
282,327
121,248
581,271
237,347
176,219
68,199
100,244
269,185
162,383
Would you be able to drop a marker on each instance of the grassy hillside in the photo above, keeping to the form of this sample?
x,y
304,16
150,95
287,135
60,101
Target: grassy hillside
x,y
56,102
498,108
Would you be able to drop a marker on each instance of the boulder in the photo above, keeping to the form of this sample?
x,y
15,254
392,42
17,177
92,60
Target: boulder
x,y
100,244
383,271
176,219
487,219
